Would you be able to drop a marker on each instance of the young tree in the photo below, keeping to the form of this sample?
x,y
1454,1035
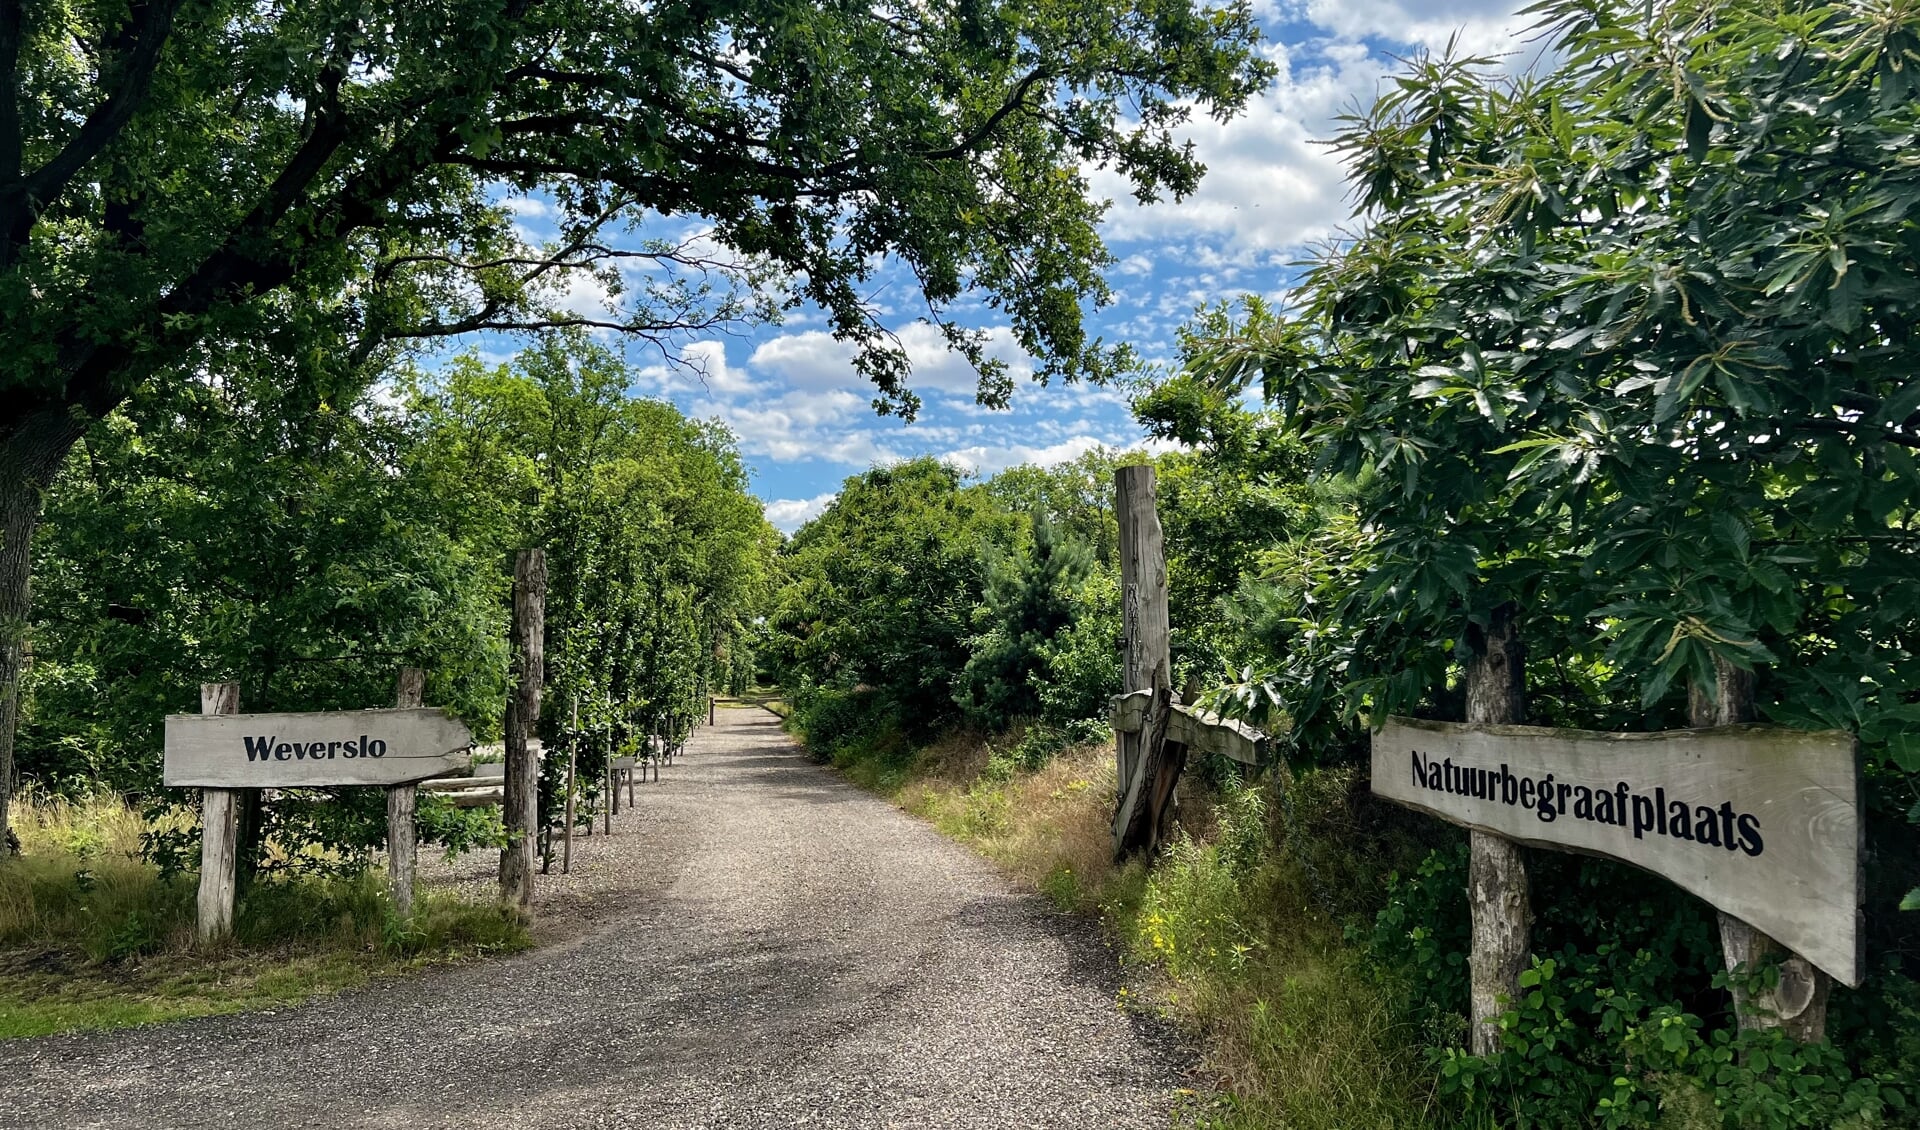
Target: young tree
x,y
1028,600
174,171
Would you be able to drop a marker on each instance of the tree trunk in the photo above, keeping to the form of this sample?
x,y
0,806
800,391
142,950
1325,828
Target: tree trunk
x,y
1798,1005
520,808
1497,871
29,459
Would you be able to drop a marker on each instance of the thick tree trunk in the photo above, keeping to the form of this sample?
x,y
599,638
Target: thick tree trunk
x,y
1497,871
520,808
29,459
1798,1005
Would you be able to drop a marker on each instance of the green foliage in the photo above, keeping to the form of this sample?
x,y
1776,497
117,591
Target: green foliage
x,y
350,156
244,531
657,554
1623,344
1631,1031
881,588
1076,498
302,195
1027,602
1080,667
1553,1070
309,543
88,929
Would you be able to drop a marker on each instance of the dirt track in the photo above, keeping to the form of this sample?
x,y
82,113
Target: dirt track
x,y
760,944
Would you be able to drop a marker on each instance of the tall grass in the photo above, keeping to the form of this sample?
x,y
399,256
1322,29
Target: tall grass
x,y
91,935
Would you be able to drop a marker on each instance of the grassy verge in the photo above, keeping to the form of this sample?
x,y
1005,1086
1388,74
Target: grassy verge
x,y
1235,924
93,937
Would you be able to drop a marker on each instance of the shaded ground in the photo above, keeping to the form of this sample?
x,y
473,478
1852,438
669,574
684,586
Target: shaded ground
x,y
759,944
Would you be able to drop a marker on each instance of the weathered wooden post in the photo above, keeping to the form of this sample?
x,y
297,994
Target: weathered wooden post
x,y
402,837
712,707
1798,1004
219,832
1496,870
1149,765
520,808
573,759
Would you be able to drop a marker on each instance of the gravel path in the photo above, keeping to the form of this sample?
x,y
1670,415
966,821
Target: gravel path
x,y
759,944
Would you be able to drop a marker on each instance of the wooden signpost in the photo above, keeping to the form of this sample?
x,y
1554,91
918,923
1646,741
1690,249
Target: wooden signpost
x,y
1762,823
223,751
336,747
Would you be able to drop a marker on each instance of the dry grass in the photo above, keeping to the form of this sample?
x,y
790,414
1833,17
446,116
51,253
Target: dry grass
x,y
1048,827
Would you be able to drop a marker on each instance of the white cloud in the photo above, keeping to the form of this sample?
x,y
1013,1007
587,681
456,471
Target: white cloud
x,y
789,514
983,459
584,295
815,359
803,426
809,359
1269,187
1483,27
707,364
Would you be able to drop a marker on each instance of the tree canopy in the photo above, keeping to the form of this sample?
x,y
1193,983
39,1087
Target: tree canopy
x,y
184,179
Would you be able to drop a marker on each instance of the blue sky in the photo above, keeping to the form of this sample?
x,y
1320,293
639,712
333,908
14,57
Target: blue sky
x,y
803,417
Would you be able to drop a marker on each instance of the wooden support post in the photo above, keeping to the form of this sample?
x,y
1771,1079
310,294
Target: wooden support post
x,y
573,762
1798,1004
402,836
613,777
612,798
521,810
219,833
1149,765
1496,869
713,706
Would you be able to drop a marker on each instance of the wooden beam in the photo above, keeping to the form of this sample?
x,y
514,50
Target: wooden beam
x,y
402,835
219,833
1148,764
477,798
1194,728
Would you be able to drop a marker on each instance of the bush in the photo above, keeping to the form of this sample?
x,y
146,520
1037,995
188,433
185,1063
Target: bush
x,y
1631,1033
82,889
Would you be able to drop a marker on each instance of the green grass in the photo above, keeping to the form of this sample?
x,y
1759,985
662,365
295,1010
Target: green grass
x,y
92,937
